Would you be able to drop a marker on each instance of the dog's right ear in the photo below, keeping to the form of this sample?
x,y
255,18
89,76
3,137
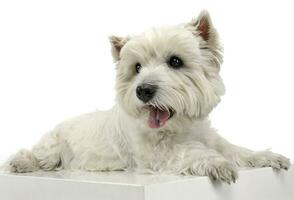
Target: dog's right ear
x,y
117,44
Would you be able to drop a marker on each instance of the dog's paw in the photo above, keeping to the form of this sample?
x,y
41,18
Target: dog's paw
x,y
222,171
23,162
269,159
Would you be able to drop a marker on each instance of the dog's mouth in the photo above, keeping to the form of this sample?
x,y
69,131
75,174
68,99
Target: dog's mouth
x,y
158,117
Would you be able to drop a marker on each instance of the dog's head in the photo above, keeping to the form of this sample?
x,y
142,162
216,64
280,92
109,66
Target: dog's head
x,y
169,73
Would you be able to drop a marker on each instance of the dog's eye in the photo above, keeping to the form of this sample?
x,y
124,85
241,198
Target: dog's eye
x,y
175,62
138,67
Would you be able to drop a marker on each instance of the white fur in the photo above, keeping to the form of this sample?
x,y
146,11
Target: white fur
x,y
120,139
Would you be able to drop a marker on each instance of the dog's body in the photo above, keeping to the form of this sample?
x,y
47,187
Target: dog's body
x,y
167,83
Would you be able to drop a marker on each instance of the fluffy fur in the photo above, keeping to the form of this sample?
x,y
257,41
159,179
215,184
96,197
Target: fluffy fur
x,y
120,138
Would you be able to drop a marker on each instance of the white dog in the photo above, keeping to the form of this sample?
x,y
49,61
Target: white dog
x,y
167,83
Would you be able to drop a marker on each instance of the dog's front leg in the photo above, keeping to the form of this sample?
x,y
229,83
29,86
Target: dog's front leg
x,y
247,158
243,157
196,159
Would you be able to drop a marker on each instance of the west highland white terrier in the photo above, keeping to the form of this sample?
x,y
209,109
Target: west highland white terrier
x,y
167,83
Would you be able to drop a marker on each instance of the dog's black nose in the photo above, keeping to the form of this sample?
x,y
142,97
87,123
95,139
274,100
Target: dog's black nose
x,y
145,92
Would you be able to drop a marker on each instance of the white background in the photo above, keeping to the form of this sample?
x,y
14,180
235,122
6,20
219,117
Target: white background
x,y
55,63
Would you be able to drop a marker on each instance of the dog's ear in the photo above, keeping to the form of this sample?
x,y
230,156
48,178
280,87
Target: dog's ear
x,y
203,26
117,44
210,45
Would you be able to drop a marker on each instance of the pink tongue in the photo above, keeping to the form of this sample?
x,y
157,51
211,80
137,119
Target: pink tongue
x,y
157,118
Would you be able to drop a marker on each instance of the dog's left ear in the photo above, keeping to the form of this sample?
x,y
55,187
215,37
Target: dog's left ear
x,y
203,27
117,44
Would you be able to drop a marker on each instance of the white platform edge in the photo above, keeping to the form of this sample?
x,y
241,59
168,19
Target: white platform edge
x,y
259,184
